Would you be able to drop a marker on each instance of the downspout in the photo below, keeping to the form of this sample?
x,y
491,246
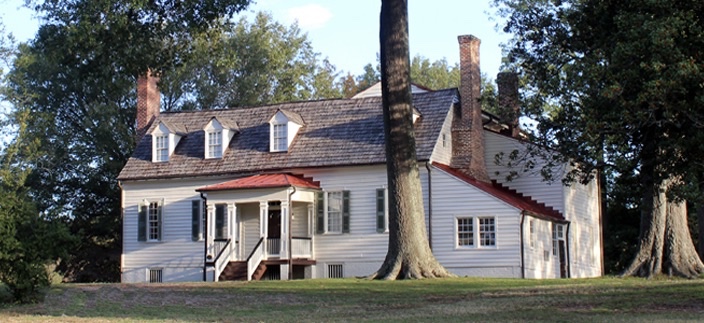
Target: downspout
x,y
290,236
567,237
430,208
520,228
205,235
122,220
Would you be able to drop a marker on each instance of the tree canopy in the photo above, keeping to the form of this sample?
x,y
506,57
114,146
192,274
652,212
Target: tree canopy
x,y
623,81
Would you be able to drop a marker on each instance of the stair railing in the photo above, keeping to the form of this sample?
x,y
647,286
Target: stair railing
x,y
255,258
223,257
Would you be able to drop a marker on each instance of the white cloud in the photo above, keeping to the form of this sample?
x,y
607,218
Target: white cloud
x,y
311,16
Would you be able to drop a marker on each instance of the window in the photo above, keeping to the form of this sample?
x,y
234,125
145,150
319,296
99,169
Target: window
x,y
197,221
558,234
487,232
156,275
220,211
465,232
149,222
382,211
215,144
444,140
333,212
162,148
476,232
335,271
280,137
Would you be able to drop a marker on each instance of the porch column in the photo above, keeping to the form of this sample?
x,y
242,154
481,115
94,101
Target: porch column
x,y
231,217
210,214
263,211
285,236
311,228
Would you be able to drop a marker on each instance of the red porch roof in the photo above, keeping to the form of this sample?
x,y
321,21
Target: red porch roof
x,y
507,195
263,181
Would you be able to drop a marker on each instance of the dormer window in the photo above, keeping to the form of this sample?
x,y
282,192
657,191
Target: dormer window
x,y
215,144
280,137
162,148
218,133
284,126
165,137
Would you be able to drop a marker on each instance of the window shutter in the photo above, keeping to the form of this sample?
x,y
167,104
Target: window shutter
x,y
320,212
195,220
219,221
142,223
161,220
380,210
345,211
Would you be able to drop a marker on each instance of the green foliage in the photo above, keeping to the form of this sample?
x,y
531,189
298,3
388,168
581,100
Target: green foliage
x,y
434,75
248,63
72,89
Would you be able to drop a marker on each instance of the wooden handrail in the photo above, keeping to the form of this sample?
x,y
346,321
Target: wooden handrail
x,y
261,240
215,260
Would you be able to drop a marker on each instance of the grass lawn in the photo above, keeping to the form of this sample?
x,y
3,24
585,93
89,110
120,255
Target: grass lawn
x,y
458,299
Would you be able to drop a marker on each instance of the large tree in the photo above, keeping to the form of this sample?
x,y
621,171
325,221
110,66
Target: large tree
x,y
409,254
76,81
624,83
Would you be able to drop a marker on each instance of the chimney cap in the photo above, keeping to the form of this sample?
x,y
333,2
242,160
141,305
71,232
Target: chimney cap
x,y
463,39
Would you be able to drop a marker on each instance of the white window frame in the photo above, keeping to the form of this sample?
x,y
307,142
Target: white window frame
x,y
161,148
330,213
215,141
279,136
558,234
155,222
470,242
477,232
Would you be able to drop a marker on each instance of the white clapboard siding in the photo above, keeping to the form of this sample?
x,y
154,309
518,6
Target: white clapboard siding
x,y
176,248
537,264
363,244
582,210
299,224
529,183
442,151
454,198
249,222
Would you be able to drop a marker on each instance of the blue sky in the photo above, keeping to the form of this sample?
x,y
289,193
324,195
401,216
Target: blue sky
x,y
347,31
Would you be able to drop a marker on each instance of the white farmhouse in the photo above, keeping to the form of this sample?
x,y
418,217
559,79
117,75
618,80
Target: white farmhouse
x,y
298,190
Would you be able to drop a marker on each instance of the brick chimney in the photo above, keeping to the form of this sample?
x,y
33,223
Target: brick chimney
x,y
467,127
148,102
508,101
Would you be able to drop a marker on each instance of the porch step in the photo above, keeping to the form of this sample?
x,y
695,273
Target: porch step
x,y
237,270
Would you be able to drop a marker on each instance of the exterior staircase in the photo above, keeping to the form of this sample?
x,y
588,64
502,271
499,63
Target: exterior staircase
x,y
237,270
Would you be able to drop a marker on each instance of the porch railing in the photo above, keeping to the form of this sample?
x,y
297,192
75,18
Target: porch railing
x,y
273,246
255,258
222,250
301,247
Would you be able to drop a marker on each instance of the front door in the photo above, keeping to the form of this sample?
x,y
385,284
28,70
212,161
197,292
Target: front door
x,y
274,232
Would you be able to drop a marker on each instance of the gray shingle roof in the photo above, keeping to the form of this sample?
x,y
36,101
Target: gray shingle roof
x,y
336,133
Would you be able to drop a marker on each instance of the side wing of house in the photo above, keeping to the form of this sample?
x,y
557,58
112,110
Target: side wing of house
x,y
474,233
161,246
578,203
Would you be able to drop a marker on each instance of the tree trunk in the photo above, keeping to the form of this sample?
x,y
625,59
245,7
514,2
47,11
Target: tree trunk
x,y
665,245
409,255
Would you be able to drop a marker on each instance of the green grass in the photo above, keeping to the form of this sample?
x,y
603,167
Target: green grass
x,y
442,300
